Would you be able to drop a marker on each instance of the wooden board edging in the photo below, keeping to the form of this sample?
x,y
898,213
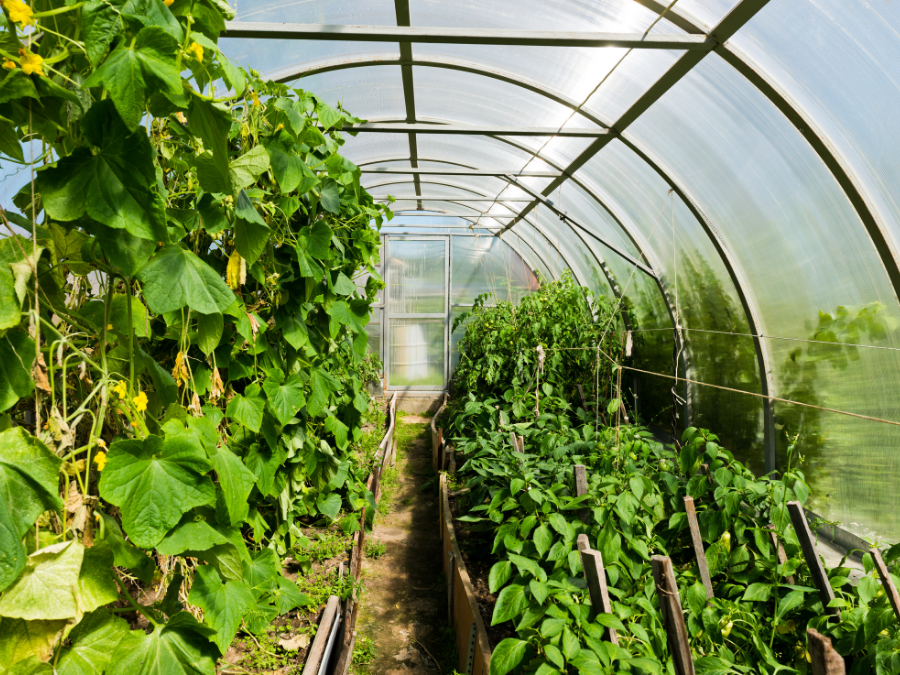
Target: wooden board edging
x,y
464,611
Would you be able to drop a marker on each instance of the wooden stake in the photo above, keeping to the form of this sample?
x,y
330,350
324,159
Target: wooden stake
x,y
820,578
699,551
673,615
782,558
824,660
595,574
580,491
522,444
889,587
583,400
582,543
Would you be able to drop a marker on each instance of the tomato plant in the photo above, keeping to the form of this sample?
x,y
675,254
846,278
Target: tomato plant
x,y
182,342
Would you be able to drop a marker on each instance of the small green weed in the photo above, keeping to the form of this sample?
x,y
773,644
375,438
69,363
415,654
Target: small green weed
x,y
319,586
364,651
324,546
264,654
375,549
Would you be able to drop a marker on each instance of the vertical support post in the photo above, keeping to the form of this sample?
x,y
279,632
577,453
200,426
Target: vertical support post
x,y
595,574
820,578
470,653
583,399
699,551
580,491
521,440
823,658
673,615
782,557
886,580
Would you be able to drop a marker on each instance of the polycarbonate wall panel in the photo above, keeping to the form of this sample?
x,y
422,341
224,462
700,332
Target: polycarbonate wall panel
x,y
850,89
487,265
541,270
574,201
374,330
800,246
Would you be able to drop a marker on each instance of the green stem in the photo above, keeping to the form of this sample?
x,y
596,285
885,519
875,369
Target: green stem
x,y
58,10
126,596
128,302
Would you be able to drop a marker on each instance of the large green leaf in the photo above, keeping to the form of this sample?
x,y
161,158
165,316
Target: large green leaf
x,y
192,535
126,554
510,604
154,482
246,169
291,172
354,314
235,483
251,234
209,331
93,642
177,278
10,303
246,410
180,647
223,604
287,595
29,475
131,69
96,580
284,400
261,572
265,463
20,639
101,23
113,186
16,360
507,655
210,123
323,385
318,240
47,588
122,250
329,505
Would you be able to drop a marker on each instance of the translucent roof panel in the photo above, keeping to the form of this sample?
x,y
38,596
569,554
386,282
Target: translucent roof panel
x,y
373,91
477,100
709,12
280,59
628,81
487,265
368,148
376,12
837,86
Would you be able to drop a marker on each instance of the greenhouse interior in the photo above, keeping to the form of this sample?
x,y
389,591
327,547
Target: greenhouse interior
x,y
608,291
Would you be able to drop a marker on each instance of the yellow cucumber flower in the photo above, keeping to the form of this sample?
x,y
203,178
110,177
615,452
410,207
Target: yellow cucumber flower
x,y
9,65
31,63
197,50
19,12
168,3
255,98
120,389
140,402
100,460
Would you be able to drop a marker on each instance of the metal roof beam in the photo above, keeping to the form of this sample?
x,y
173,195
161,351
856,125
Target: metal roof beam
x,y
465,36
464,130
461,172
731,23
446,198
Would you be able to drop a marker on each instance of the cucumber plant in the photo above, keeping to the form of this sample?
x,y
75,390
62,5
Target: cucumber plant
x,y
182,342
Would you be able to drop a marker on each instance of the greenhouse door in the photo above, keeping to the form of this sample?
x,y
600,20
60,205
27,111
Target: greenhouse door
x,y
417,270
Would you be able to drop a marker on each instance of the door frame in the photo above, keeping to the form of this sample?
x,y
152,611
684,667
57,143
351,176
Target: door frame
x,y
386,327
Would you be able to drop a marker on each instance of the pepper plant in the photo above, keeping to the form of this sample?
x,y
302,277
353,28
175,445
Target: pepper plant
x,y
182,342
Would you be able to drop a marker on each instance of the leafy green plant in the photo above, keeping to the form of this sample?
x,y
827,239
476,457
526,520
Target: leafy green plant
x,y
498,353
375,549
180,330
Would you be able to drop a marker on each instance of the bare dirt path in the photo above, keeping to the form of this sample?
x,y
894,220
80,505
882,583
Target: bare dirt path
x,y
403,613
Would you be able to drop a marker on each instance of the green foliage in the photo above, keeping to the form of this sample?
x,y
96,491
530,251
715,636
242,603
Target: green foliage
x,y
181,318
498,353
525,509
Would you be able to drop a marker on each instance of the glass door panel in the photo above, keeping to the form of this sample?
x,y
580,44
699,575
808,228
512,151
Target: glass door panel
x,y
416,311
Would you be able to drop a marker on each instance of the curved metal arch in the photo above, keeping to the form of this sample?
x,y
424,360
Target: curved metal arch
x,y
513,247
705,223
613,284
549,241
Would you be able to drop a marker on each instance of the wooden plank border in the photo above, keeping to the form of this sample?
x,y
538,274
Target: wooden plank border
x,y
437,439
464,608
